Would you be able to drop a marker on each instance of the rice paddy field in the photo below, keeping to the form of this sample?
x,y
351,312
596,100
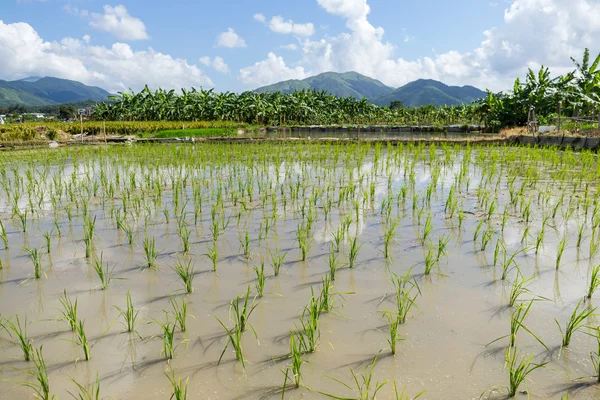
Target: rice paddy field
x,y
313,271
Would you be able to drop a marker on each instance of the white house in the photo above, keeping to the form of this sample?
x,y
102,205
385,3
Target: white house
x,y
2,119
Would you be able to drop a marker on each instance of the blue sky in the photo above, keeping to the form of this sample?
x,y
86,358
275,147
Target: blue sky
x,y
239,45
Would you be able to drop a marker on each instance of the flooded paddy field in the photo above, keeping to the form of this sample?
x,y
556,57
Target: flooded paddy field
x,y
258,271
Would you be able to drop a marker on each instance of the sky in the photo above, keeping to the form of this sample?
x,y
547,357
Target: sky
x,y
237,45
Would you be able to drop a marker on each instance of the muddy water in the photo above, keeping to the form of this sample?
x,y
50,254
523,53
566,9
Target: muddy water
x,y
445,348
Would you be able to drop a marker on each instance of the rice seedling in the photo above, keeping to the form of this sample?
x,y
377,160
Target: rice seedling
x,y
39,382
245,245
260,279
3,235
337,236
82,340
105,274
393,323
184,234
574,324
427,228
179,313
178,386
562,245
186,273
22,219
168,338
213,255
580,234
519,368
18,331
296,358
242,314
518,288
353,252
594,281
277,261
516,323
83,393
430,260
89,227
332,264
36,259
388,236
69,310
48,239
150,252
595,355
129,314
234,337
303,241
364,386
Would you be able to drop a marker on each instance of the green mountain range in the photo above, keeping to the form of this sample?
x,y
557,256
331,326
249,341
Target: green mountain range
x,y
414,94
347,84
32,92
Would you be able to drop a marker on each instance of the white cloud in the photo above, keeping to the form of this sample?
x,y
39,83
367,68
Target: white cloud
x,y
230,39
290,46
259,17
534,32
24,53
217,63
279,25
118,22
270,70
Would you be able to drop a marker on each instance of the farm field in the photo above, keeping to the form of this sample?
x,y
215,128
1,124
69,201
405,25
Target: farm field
x,y
258,271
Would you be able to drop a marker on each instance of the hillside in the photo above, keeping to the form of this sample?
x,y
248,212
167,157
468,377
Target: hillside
x,y
427,91
33,92
348,84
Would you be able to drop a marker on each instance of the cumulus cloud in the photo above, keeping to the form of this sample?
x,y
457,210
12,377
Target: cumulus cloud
x,y
230,39
279,25
534,32
260,17
24,53
271,70
118,22
217,63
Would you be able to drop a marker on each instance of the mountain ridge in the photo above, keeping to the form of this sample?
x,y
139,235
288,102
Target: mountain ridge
x,y
353,84
34,91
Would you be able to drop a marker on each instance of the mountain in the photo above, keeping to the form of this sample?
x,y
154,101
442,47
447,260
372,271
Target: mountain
x,y
352,84
347,84
36,91
427,91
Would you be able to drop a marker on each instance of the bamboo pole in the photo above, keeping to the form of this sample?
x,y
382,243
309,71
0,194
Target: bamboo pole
x,y
81,125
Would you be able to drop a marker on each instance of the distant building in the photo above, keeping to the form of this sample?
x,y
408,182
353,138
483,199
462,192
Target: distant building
x,y
85,112
2,119
37,115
